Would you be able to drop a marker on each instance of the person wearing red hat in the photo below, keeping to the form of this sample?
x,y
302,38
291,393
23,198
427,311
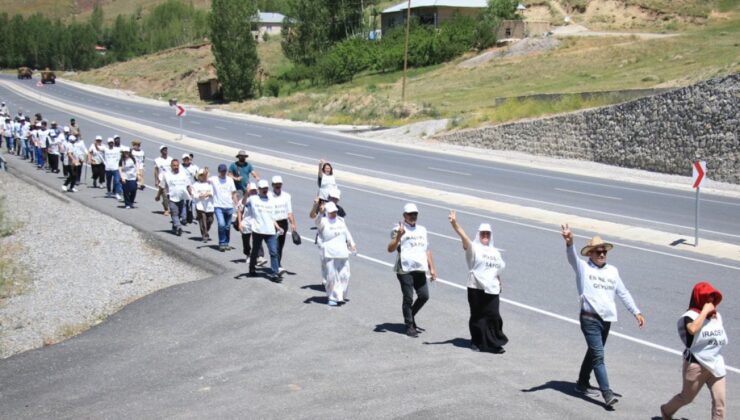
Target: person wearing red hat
x,y
702,333
598,285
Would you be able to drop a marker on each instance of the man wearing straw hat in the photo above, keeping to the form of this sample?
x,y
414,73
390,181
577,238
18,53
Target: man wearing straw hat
x,y
598,283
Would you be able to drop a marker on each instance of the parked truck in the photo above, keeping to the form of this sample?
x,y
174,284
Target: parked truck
x,y
25,73
48,76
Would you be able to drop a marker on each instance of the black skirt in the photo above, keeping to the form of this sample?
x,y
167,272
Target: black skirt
x,y
486,325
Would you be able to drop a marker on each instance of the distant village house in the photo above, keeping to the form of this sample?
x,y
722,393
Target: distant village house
x,y
267,23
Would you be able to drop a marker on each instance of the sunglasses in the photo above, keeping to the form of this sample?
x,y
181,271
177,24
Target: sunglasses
x,y
599,251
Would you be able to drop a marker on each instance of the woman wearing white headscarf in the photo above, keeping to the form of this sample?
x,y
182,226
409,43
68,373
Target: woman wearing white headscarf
x,y
484,286
335,243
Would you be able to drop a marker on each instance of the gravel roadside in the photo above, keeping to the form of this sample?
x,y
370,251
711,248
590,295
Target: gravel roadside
x,y
82,266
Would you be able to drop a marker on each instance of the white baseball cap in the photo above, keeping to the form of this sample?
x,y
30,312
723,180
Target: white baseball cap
x,y
251,186
485,227
410,208
277,179
164,146
65,129
185,155
110,140
72,138
334,192
263,184
330,207
98,137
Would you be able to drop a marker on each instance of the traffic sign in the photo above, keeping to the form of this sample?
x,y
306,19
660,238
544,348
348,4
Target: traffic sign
x,y
699,169
180,111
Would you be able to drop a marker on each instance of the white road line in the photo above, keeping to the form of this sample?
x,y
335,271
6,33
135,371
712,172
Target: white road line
x,y
447,171
443,236
298,144
253,135
589,194
359,155
544,312
194,122
219,127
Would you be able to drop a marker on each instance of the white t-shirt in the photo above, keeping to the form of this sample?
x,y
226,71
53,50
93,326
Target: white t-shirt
x,y
203,204
97,154
328,183
247,219
283,205
54,144
223,189
706,346
111,156
192,169
164,165
414,244
334,238
140,158
79,151
597,287
129,169
177,185
263,212
42,137
484,265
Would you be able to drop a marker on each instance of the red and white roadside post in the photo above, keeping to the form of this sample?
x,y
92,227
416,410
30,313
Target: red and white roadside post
x,y
698,170
180,112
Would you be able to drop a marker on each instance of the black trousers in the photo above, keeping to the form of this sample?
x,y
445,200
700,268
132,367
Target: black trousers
x,y
71,180
410,282
98,173
54,162
485,324
65,167
281,239
205,220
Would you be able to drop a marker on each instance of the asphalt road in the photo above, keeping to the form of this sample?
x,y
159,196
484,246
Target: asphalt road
x,y
637,205
238,347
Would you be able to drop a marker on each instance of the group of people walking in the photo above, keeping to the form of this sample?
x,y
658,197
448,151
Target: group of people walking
x,y
262,212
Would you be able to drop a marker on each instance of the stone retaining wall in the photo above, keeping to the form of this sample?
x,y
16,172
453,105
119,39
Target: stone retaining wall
x,y
661,133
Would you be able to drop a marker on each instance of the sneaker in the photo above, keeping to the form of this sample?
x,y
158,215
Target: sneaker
x,y
64,188
333,303
281,270
418,328
498,350
128,207
74,189
261,261
411,332
222,248
474,347
610,399
119,197
179,232
277,278
586,391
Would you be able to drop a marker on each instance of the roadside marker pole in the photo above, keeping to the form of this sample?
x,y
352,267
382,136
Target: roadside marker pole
x,y
180,112
698,170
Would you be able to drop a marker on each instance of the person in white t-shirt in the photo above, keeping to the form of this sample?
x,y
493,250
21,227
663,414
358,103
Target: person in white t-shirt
x,y
335,243
162,165
283,214
410,241
97,161
703,335
138,153
42,143
327,182
127,169
598,284
53,149
264,229
111,157
187,165
224,201
76,155
484,286
203,199
177,186
245,219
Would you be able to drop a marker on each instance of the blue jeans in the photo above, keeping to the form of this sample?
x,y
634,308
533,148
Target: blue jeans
x,y
39,157
129,193
10,144
115,178
25,150
271,241
595,331
223,218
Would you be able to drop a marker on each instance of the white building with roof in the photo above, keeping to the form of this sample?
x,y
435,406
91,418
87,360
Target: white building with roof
x,y
268,23
430,12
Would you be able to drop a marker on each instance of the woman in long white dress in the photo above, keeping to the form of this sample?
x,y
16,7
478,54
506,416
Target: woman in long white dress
x,y
327,182
335,243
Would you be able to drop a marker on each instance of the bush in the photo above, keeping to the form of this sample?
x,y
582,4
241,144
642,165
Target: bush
x,y
273,87
345,59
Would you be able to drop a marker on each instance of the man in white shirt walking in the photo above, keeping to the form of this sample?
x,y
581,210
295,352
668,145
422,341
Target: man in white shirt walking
x,y
177,187
264,228
283,215
598,284
224,201
111,156
162,165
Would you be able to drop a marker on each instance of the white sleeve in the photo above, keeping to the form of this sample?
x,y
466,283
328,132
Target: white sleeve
x,y
626,297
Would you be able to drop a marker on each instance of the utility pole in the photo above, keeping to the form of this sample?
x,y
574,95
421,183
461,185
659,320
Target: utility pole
x,y
406,52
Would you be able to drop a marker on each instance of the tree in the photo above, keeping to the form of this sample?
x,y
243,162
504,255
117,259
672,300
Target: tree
x,y
503,9
96,21
233,47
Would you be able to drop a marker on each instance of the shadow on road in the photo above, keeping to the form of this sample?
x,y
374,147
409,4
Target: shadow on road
x,y
314,287
391,327
567,388
317,299
457,342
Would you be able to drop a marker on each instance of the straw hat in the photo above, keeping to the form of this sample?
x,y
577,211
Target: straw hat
x,y
596,241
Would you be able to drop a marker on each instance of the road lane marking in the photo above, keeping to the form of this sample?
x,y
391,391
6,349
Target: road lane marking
x,y
359,155
448,171
544,312
589,194
298,144
194,122
220,128
711,248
